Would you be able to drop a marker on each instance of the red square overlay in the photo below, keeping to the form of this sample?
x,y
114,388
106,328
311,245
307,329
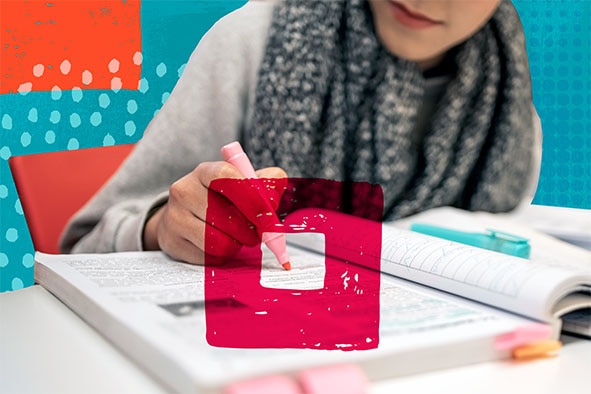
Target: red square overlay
x,y
344,314
88,44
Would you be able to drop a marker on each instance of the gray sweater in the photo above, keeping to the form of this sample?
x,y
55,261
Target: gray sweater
x,y
208,108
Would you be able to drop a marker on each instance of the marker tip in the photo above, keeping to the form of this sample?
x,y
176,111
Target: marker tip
x,y
287,266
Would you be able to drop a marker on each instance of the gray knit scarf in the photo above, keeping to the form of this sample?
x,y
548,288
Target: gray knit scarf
x,y
332,103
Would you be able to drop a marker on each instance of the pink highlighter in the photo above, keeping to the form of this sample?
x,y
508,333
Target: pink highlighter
x,y
233,154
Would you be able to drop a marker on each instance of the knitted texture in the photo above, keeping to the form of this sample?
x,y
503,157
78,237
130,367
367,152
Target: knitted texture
x,y
332,103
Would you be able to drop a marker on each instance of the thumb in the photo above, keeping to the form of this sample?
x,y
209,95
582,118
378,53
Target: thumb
x,y
275,183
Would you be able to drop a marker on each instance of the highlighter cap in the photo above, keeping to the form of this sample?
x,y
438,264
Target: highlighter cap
x,y
231,150
233,154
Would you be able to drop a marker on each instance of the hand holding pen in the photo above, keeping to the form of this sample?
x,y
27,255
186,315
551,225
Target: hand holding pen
x,y
234,154
178,227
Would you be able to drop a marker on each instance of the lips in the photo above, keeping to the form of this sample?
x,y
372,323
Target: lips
x,y
409,18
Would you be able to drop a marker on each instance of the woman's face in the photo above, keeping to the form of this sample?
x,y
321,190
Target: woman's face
x,y
423,30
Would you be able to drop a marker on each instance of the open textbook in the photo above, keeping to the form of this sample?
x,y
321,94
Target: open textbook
x,y
533,222
442,304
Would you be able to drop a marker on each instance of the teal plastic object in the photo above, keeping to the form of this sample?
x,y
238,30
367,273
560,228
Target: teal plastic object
x,y
497,241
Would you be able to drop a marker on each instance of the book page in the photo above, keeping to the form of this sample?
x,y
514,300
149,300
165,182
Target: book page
x,y
153,309
519,285
545,249
548,254
530,287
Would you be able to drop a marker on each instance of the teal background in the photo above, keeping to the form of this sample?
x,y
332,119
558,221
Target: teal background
x,y
559,47
558,35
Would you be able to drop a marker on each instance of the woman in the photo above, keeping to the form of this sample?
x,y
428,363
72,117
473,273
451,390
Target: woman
x,y
429,99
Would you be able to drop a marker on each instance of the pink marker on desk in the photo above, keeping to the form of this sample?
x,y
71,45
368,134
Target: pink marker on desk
x,y
233,154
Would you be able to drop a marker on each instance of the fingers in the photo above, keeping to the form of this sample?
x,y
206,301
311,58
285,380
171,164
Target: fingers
x,y
256,199
187,252
184,237
184,217
272,172
212,207
275,184
213,211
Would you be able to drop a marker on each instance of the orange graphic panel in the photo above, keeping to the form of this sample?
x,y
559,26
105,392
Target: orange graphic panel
x,y
88,44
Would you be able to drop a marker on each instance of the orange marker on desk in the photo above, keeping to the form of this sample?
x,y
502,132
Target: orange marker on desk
x,y
233,154
536,350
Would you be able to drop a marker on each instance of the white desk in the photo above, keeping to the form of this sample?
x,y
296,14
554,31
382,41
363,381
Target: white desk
x,y
46,348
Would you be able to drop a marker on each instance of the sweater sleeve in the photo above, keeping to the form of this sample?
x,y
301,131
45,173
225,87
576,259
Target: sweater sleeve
x,y
210,105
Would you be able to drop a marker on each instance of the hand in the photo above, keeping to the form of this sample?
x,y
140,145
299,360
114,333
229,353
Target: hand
x,y
178,228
